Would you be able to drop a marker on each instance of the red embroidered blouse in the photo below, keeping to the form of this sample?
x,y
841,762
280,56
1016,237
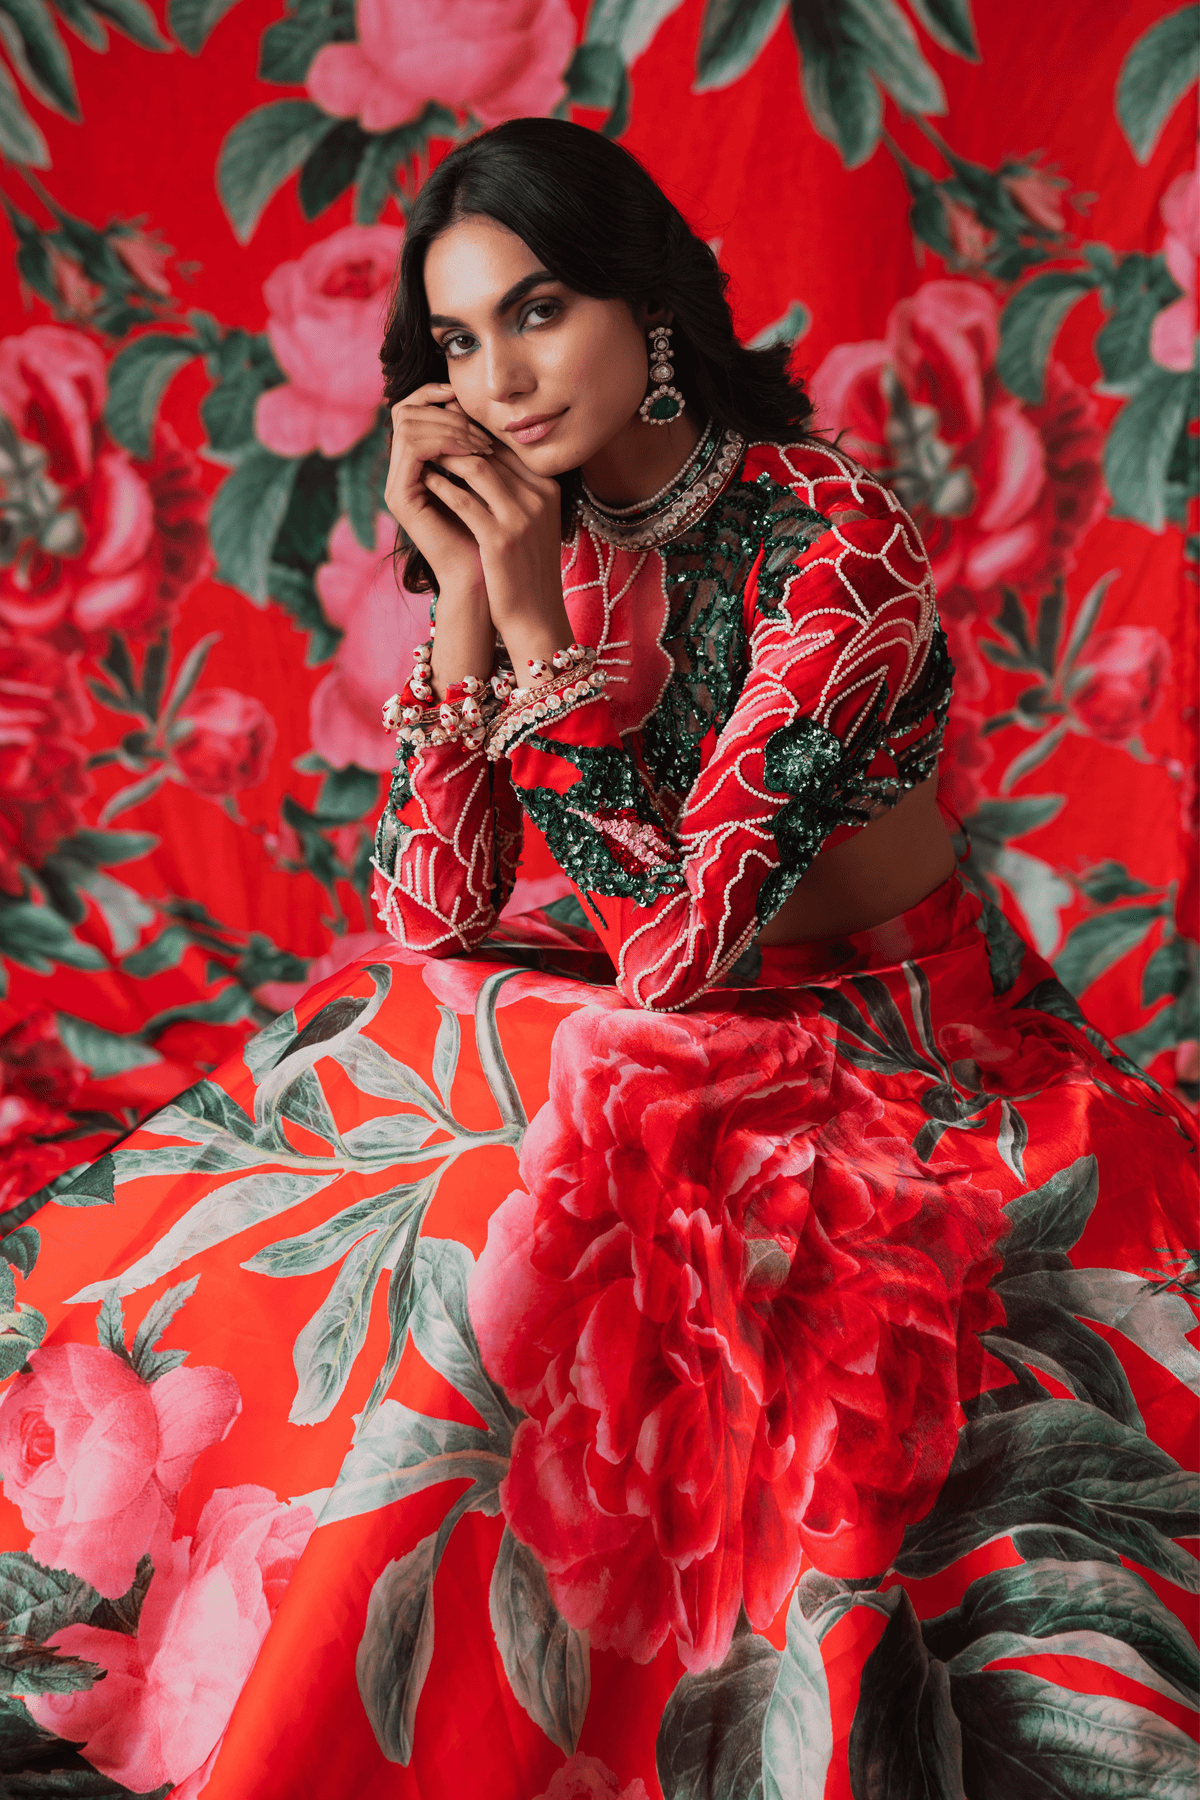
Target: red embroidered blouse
x,y
776,677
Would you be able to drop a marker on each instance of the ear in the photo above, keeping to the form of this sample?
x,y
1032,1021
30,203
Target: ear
x,y
648,314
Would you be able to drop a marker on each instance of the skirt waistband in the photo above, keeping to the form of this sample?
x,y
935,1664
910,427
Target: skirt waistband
x,y
947,919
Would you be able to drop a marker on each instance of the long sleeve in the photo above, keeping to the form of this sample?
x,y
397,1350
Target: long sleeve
x,y
446,848
840,710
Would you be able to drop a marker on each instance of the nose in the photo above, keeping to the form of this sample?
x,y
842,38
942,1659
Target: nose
x,y
507,370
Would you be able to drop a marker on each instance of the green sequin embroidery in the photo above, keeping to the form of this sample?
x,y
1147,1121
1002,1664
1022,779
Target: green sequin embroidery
x,y
822,780
392,834
609,784
707,569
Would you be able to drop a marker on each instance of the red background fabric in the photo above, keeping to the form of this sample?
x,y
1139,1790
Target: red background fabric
x,y
166,887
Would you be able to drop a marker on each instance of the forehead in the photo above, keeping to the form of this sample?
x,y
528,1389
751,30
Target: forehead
x,y
472,264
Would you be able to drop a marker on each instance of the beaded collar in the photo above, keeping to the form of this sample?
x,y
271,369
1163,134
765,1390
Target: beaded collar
x,y
675,507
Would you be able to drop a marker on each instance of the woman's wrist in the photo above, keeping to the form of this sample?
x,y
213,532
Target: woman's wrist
x,y
530,641
465,640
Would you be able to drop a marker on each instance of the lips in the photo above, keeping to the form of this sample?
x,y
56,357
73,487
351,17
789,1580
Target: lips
x,y
532,429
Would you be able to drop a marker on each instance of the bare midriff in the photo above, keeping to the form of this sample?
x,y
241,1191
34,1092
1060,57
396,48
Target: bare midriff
x,y
881,871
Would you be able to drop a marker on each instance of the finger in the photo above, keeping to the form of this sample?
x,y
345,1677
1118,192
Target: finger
x,y
544,485
504,495
434,393
423,435
465,504
456,410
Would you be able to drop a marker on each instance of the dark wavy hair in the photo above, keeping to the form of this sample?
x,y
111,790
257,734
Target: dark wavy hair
x,y
600,224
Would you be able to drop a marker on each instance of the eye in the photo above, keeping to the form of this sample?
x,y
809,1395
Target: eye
x,y
540,312
459,343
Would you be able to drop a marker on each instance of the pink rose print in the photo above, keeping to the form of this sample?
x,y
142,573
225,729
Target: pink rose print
x,y
1173,334
1021,484
1002,490
381,621
158,1716
111,543
325,322
43,771
229,743
1039,196
95,1457
587,1778
1122,681
739,1321
39,1078
966,753
497,59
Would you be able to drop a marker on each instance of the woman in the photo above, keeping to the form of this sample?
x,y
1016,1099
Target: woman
x,y
800,1413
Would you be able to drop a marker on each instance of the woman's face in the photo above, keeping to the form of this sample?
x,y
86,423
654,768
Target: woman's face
x,y
552,373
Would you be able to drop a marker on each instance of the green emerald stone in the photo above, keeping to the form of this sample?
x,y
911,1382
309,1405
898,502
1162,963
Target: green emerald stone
x,y
666,408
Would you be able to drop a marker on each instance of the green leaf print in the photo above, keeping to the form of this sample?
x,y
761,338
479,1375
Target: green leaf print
x,y
950,22
103,1052
445,1053
1052,1217
548,1664
262,150
905,1742
397,1647
325,1244
332,167
710,1740
38,938
94,1186
1096,943
733,35
286,50
1140,445
22,1328
399,1452
1049,1598
1043,1336
376,1233
1157,72
222,1213
1023,1735
149,1363
797,1742
1149,1313
137,379
191,21
442,1331
247,512
1029,325
27,1668
1059,1463
20,1248
361,475
35,1602
110,1325
399,1307
326,1348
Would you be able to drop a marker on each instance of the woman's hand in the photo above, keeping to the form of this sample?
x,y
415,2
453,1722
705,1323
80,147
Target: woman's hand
x,y
515,519
428,424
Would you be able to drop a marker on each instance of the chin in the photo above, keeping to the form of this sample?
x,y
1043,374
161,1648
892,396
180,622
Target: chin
x,y
551,459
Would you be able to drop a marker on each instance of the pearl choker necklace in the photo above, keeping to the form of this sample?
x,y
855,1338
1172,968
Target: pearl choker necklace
x,y
676,506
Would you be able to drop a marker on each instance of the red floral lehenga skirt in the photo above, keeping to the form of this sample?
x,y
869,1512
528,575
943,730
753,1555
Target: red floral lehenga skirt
x,y
483,1389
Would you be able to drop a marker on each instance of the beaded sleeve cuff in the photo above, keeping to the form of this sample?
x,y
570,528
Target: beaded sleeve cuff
x,y
530,709
418,718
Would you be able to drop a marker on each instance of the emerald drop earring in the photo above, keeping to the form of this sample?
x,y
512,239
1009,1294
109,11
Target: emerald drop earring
x,y
663,402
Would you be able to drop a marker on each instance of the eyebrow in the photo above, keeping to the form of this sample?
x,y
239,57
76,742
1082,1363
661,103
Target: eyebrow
x,y
506,302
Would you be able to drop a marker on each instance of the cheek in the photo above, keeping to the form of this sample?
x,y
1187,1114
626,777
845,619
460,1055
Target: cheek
x,y
607,372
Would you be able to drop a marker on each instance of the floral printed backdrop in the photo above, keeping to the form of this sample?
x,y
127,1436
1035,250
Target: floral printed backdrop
x,y
978,220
